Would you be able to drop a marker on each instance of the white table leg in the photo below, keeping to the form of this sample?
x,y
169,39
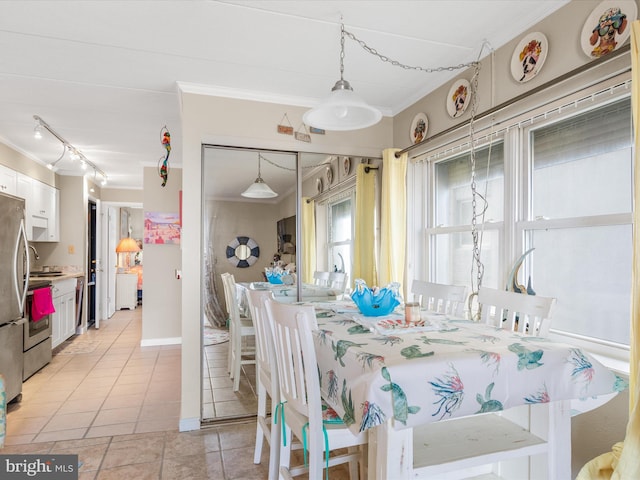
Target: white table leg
x,y
390,453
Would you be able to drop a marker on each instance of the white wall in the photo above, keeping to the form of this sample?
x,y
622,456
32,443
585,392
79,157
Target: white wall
x,y
162,294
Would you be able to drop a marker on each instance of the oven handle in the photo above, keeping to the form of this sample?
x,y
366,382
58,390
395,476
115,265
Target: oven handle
x,y
22,234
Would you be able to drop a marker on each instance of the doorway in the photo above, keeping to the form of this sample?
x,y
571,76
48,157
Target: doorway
x,y
92,264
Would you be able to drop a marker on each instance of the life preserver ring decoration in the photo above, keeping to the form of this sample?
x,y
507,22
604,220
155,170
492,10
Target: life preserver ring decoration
x,y
243,252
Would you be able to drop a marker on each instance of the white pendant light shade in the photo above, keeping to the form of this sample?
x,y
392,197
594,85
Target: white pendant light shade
x,y
342,110
259,189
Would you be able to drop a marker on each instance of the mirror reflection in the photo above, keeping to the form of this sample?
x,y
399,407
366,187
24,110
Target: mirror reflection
x,y
236,206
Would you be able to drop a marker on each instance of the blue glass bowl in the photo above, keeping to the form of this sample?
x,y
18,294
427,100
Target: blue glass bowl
x,y
378,303
275,277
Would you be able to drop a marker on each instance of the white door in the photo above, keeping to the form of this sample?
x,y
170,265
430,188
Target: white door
x,y
111,259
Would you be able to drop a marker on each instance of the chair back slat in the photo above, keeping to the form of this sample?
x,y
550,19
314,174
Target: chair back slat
x,y
441,298
338,280
321,278
295,356
264,336
528,314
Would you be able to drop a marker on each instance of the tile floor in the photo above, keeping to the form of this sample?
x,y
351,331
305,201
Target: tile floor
x,y
218,398
116,405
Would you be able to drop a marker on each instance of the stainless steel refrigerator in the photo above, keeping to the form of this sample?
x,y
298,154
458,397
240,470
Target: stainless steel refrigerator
x,y
14,278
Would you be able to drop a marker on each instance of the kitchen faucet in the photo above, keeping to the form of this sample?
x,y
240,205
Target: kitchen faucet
x,y
35,252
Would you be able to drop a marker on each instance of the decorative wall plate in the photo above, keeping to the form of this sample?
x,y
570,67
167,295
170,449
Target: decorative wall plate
x,y
346,165
319,184
419,127
329,175
529,56
243,252
458,98
608,27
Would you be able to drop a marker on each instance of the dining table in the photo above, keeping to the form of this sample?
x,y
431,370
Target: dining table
x,y
391,378
287,293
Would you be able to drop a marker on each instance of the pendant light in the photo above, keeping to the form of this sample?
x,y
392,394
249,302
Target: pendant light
x,y
342,109
259,189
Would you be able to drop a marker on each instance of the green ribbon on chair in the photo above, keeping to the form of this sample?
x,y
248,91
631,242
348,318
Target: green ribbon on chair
x,y
275,421
305,427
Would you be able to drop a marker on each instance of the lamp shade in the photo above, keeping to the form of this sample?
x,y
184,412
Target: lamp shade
x,y
127,245
342,110
259,189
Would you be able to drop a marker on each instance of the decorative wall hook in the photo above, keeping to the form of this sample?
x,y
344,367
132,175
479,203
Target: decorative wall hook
x,y
163,168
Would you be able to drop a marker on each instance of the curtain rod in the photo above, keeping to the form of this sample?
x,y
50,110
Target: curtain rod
x,y
367,169
576,71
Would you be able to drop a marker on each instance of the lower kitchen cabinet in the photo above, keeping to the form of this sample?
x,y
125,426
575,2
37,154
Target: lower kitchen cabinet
x,y
63,321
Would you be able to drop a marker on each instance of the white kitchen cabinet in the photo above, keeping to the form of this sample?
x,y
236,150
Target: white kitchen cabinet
x,y
42,203
7,180
126,290
43,208
63,320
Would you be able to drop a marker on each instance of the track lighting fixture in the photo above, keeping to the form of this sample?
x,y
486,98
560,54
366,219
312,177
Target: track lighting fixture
x,y
74,153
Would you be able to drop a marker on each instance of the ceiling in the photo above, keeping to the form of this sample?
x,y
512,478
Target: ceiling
x,y
103,74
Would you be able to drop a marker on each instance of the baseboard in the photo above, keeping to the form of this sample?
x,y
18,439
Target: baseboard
x,y
153,342
188,424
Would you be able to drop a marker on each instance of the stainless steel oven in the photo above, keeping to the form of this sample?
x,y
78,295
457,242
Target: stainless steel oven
x,y
37,336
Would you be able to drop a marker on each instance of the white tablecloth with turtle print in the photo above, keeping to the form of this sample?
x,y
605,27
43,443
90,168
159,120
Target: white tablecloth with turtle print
x,y
373,369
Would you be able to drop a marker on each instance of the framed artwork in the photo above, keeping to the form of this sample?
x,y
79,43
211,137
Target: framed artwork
x,y
458,98
419,127
607,27
162,228
529,56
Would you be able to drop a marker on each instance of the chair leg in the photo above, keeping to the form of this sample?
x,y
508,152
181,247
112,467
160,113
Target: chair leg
x,y
260,433
354,464
230,351
285,451
236,362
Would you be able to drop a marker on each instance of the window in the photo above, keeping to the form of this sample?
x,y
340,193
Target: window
x,y
559,181
340,234
580,225
451,242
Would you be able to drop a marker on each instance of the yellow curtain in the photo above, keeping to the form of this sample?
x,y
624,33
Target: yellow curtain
x,y
623,462
364,254
308,239
393,221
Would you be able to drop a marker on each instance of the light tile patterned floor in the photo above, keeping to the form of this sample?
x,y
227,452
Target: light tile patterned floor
x,y
116,405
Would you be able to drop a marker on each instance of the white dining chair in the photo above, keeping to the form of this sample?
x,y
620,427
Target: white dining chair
x,y
440,297
241,330
300,392
507,435
268,384
528,314
321,278
338,281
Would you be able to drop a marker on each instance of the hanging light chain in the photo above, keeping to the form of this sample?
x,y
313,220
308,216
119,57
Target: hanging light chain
x,y
477,237
342,31
293,169
395,63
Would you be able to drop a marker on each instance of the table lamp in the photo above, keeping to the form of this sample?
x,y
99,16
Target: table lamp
x,y
127,246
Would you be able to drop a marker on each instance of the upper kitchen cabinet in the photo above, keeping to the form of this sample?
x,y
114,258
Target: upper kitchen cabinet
x,y
43,209
7,180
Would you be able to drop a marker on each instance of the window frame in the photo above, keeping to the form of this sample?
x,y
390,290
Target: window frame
x,y
515,122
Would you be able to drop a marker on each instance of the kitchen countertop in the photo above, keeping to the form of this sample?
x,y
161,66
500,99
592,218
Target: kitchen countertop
x,y
56,277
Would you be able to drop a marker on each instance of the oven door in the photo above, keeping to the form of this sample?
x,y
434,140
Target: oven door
x,y
35,331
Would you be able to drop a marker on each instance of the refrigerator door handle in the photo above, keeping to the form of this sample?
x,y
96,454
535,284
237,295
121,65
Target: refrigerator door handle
x,y
22,234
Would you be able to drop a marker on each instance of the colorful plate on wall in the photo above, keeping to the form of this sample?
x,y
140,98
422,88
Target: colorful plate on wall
x,y
608,27
458,98
419,128
529,56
